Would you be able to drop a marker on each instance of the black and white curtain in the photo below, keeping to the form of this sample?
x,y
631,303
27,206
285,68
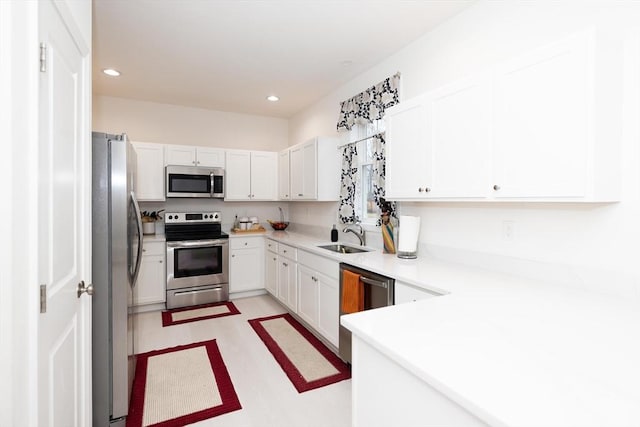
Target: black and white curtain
x,y
370,105
379,173
364,109
350,188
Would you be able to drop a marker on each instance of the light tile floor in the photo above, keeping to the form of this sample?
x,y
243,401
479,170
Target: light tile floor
x,y
267,396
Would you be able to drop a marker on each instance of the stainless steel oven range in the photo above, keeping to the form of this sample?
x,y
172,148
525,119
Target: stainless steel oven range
x,y
197,259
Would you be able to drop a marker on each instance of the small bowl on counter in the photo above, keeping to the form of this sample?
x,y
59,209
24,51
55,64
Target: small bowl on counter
x,y
278,225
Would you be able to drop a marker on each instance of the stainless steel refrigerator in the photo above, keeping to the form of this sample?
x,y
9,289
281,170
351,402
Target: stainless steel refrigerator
x,y
116,252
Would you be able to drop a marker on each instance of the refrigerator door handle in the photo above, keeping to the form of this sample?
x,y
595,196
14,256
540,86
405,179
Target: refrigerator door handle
x,y
136,271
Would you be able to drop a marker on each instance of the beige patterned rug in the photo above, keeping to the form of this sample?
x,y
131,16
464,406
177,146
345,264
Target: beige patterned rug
x,y
181,385
307,362
200,312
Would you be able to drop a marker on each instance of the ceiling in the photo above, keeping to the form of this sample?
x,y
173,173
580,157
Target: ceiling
x,y
228,55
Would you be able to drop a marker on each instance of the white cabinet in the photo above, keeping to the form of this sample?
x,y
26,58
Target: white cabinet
x,y
151,285
150,171
186,155
271,267
526,129
287,276
544,113
246,264
432,152
404,292
284,189
318,294
315,170
328,307
308,295
251,175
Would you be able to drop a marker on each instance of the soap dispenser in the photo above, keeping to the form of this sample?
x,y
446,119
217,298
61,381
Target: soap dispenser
x,y
334,234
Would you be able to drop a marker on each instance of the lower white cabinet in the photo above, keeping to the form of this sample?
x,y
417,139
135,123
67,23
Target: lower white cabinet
x,y
287,291
318,294
246,264
308,295
271,268
151,285
404,293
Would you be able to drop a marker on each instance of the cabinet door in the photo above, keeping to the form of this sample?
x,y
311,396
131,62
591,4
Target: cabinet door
x,y
180,155
328,308
308,295
283,176
287,290
543,120
245,273
151,285
150,171
460,123
264,175
310,170
238,175
296,168
210,157
408,164
271,276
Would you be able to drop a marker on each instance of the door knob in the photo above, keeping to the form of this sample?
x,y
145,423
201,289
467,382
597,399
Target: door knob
x,y
82,288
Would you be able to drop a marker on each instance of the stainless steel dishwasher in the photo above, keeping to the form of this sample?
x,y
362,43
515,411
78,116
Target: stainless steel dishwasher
x,y
378,292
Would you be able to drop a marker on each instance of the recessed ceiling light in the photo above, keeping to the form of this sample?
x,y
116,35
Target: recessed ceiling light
x,y
273,98
111,72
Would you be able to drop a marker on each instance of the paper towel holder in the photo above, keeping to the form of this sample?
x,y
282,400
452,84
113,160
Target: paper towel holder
x,y
408,255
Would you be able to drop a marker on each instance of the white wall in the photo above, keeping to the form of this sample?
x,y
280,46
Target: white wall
x,y
592,246
174,124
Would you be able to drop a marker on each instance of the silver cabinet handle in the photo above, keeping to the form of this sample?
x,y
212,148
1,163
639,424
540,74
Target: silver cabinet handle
x,y
82,288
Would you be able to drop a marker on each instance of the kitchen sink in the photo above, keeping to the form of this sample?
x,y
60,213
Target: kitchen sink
x,y
343,249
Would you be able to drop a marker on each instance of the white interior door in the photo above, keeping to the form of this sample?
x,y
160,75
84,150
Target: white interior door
x,y
64,330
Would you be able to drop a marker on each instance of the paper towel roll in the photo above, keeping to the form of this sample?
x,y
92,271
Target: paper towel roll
x,y
408,233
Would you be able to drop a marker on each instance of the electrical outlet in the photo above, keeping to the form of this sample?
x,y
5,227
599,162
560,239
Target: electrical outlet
x,y
508,230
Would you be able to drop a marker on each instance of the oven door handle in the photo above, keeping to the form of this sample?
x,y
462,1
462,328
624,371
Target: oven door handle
x,y
197,291
197,244
374,282
212,183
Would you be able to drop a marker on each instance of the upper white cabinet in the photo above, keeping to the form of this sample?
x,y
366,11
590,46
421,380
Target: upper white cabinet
x,y
544,126
150,171
315,170
251,175
284,189
186,155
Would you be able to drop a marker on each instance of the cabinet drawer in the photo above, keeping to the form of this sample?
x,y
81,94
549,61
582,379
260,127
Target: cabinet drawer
x,y
153,248
287,251
328,267
246,242
272,246
407,293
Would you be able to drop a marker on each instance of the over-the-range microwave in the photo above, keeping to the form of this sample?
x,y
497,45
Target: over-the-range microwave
x,y
192,181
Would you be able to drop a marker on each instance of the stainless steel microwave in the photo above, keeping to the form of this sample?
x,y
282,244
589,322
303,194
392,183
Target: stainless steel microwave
x,y
190,181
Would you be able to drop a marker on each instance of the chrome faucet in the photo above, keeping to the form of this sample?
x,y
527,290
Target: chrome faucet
x,y
359,234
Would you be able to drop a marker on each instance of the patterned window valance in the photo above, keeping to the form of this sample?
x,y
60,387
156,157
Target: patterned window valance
x,y
369,106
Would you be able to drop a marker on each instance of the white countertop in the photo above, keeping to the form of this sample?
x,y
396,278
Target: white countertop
x,y
512,351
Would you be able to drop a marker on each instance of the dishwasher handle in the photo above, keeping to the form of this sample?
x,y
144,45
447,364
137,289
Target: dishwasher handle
x,y
374,282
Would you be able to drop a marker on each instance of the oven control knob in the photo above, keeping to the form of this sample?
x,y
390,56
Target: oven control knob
x,y
170,217
206,216
175,217
215,216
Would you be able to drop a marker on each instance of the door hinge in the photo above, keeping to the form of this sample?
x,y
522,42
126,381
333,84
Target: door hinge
x,y
43,57
43,298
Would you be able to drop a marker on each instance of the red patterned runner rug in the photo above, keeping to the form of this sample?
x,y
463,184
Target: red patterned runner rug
x,y
181,385
307,362
201,312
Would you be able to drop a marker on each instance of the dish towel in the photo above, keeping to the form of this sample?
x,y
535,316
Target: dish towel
x,y
352,293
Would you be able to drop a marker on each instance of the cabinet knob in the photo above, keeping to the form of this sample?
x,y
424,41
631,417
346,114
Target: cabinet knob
x,y
160,261
496,187
427,189
284,250
285,264
420,190
300,194
233,256
275,259
144,250
249,196
245,243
